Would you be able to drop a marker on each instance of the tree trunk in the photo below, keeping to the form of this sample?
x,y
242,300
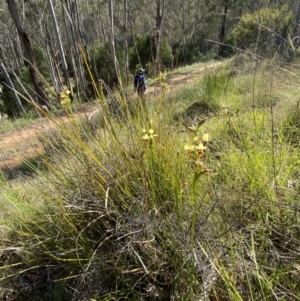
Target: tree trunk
x,y
51,63
77,58
183,32
104,35
26,93
60,46
10,85
160,10
28,54
112,40
16,54
81,34
222,29
126,64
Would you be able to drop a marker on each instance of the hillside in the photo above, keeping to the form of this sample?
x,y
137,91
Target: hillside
x,y
23,143
192,196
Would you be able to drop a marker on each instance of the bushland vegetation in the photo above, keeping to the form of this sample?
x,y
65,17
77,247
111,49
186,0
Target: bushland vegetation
x,y
189,195
40,62
193,197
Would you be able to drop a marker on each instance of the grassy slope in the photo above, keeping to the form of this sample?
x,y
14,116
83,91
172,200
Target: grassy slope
x,y
139,206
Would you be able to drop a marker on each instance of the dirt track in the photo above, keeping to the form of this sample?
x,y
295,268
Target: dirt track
x,y
17,145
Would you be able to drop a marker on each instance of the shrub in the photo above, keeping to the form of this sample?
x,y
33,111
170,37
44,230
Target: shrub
x,y
144,52
191,55
41,64
102,63
141,53
268,28
229,47
7,101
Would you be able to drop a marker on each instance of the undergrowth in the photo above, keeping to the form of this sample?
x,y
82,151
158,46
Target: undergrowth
x,y
161,202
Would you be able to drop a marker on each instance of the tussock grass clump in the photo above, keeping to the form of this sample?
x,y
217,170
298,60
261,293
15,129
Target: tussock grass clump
x,y
204,97
115,210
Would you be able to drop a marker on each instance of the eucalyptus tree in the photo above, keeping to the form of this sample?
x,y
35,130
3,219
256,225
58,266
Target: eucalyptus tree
x,y
160,12
28,52
60,45
223,25
72,23
84,30
125,30
112,40
9,40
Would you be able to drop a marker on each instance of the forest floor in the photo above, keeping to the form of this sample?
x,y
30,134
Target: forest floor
x,y
17,146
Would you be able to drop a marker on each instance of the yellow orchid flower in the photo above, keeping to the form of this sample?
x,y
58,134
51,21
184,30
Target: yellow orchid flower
x,y
150,135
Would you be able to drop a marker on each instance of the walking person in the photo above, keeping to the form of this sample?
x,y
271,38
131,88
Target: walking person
x,y
140,82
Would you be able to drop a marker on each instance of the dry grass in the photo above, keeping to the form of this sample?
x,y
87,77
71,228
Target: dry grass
x,y
133,207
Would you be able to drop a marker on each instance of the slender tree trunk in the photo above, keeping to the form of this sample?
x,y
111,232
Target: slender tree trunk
x,y
102,26
15,63
81,33
70,42
75,40
133,36
10,85
112,40
22,86
194,23
183,24
223,25
51,63
60,46
19,51
160,10
126,64
28,54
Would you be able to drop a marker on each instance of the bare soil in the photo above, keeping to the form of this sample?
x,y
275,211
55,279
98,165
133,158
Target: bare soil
x,y
23,143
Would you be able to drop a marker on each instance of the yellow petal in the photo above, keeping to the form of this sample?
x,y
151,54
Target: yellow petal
x,y
151,131
200,146
206,137
188,147
195,138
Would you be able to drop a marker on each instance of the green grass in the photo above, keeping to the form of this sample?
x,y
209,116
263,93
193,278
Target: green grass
x,y
134,207
190,68
10,125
